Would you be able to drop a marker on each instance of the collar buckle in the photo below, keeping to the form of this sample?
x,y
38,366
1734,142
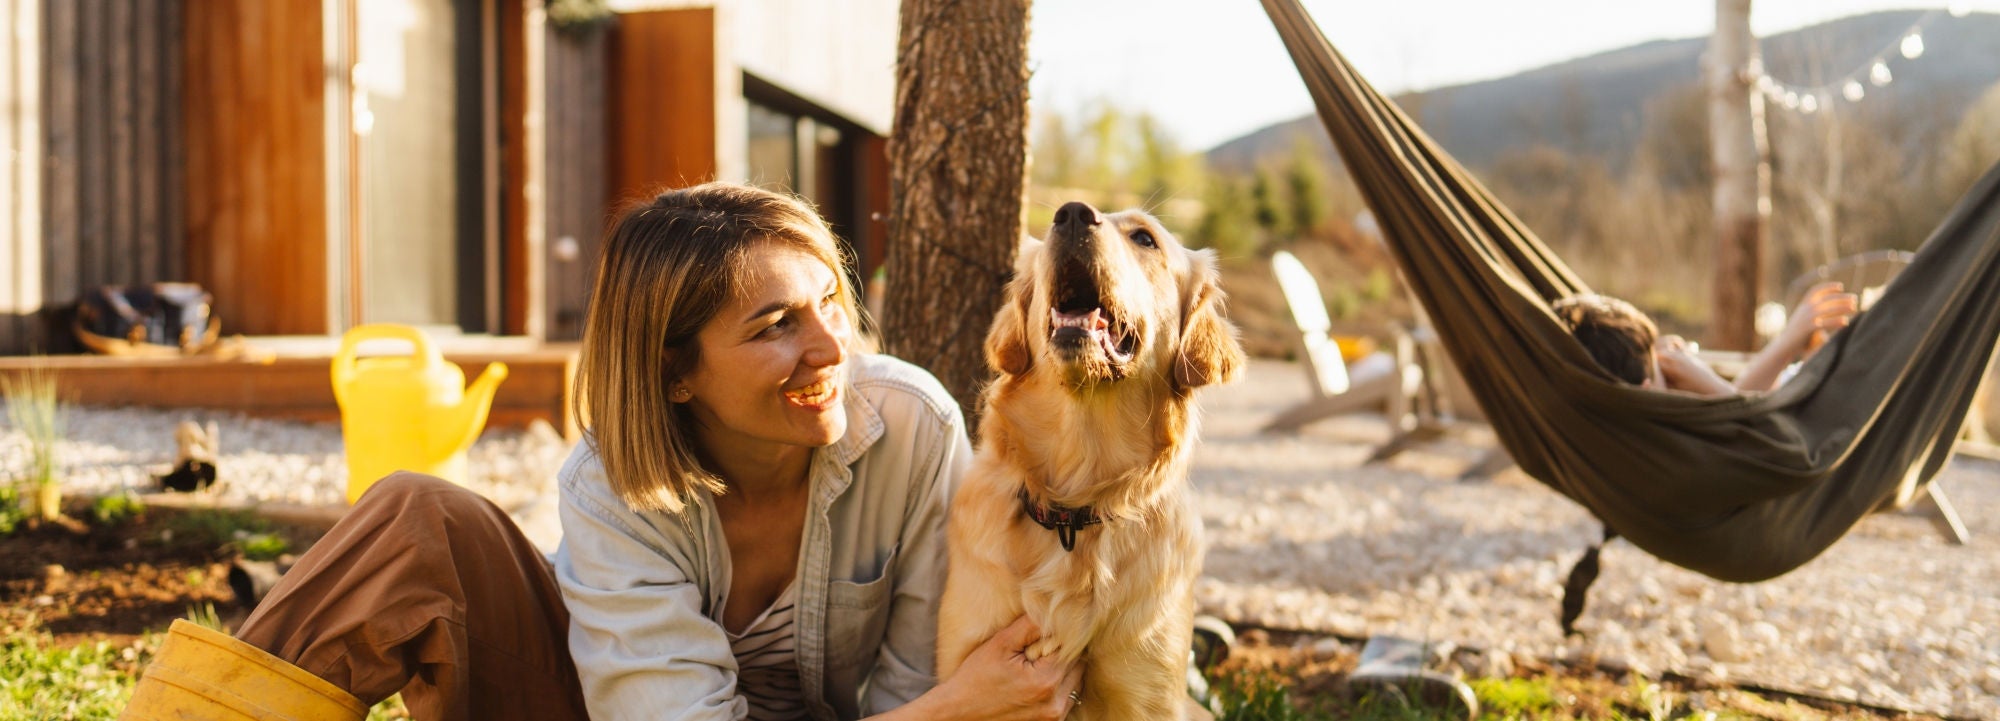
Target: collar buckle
x,y
1064,520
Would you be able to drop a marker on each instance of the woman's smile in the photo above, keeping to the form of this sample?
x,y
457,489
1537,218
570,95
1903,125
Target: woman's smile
x,y
819,396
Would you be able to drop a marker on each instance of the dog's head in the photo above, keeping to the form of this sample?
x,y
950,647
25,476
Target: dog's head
x,y
1111,297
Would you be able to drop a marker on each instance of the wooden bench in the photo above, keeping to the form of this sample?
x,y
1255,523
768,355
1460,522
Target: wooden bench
x,y
298,387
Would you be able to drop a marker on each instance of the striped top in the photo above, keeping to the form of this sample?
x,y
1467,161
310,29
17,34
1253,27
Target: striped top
x,y
767,669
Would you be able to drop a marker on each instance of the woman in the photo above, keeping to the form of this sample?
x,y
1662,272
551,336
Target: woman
x,y
753,529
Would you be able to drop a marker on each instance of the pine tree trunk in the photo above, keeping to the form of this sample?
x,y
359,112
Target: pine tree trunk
x,y
958,180
1742,176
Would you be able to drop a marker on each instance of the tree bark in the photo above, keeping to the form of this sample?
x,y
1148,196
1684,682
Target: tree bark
x,y
1742,176
957,181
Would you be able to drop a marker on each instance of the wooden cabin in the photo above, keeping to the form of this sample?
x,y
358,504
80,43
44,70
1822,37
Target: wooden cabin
x,y
451,164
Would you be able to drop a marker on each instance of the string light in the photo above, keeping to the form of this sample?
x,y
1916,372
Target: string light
x,y
1852,86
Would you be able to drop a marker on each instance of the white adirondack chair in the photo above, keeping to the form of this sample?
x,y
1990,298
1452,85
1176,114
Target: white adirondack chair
x,y
1390,383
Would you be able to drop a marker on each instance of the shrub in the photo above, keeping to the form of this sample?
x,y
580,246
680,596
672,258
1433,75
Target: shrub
x,y
117,509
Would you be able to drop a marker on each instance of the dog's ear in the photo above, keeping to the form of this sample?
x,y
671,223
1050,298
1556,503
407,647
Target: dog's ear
x,y
1007,348
1209,352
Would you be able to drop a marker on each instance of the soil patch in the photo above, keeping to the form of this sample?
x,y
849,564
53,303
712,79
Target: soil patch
x,y
1313,669
83,579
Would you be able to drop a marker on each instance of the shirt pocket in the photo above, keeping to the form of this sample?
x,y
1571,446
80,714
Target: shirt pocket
x,y
857,616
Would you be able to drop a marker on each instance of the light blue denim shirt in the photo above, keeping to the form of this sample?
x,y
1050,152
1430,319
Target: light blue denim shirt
x,y
645,590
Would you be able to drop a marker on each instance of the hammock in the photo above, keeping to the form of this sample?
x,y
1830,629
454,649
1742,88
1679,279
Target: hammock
x,y
1739,488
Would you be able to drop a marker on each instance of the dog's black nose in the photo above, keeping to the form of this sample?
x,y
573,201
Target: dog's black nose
x,y
1078,212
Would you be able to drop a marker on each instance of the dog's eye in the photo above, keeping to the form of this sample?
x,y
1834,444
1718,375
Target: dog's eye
x,y
1144,238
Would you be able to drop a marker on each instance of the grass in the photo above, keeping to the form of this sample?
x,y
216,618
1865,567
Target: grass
x,y
43,681
1271,695
32,408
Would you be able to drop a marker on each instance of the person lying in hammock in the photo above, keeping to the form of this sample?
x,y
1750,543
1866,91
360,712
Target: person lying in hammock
x,y
1625,343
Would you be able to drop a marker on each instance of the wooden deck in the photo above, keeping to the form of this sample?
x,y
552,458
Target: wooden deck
x,y
298,387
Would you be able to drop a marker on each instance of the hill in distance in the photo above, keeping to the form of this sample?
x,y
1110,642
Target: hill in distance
x,y
1599,105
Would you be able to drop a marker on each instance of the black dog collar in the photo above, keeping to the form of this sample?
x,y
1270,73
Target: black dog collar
x,y
1065,521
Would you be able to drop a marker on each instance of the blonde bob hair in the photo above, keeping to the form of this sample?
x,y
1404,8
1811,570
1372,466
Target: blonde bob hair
x,y
668,266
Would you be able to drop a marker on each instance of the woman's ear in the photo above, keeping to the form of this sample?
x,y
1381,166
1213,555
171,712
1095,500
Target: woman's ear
x,y
1209,352
1007,347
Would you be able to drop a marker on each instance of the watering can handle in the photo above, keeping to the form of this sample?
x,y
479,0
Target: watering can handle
x,y
343,361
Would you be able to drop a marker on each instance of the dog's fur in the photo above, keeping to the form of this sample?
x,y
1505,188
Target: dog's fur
x,y
1102,420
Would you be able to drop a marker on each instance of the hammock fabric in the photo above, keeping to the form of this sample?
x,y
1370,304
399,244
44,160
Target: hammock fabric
x,y
1740,488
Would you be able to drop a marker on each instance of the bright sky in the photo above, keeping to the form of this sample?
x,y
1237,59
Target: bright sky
x,y
1212,70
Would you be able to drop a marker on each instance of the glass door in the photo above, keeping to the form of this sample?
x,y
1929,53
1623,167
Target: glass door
x,y
406,125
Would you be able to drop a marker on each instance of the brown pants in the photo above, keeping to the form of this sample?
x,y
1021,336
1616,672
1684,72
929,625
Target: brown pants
x,y
428,589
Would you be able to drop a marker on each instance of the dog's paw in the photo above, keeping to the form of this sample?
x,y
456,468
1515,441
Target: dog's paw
x,y
1048,646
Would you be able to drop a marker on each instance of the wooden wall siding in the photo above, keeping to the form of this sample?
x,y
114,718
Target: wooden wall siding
x,y
20,173
870,234
111,206
256,162
663,103
511,31
574,186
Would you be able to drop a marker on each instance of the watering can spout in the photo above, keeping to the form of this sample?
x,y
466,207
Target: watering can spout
x,y
464,423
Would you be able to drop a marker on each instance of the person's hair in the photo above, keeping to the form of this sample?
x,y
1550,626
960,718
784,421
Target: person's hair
x,y
668,266
1617,335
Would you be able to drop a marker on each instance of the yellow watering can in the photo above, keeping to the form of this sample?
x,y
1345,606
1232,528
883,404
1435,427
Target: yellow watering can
x,y
410,413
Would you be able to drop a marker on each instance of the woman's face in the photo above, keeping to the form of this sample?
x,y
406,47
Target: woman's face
x,y
770,373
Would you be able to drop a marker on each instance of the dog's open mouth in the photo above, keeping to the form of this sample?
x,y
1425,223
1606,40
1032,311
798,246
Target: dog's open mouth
x,y
1078,320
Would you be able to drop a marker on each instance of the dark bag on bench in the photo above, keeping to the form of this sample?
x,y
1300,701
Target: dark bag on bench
x,y
157,319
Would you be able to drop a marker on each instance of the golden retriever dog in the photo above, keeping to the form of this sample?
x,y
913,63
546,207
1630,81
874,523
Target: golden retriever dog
x,y
1076,508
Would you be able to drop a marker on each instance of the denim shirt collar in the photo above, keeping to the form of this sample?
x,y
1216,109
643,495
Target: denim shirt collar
x,y
864,428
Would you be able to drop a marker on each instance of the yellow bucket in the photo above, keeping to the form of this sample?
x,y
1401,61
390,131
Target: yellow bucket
x,y
406,413
205,674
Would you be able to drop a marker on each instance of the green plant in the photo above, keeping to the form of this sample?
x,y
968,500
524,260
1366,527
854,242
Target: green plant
x,y
391,709
263,546
117,509
574,15
1516,697
215,527
1255,696
32,409
1380,286
12,513
203,614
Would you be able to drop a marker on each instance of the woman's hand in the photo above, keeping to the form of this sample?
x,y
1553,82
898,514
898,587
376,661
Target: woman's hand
x,y
1826,308
999,682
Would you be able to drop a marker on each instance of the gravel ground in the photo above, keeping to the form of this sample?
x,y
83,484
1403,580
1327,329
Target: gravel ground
x,y
1303,536
268,460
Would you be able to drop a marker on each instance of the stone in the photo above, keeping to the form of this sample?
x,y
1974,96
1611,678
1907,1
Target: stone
x,y
1764,633
1719,638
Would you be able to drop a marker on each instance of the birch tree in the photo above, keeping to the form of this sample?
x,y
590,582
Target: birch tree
x,y
1742,175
